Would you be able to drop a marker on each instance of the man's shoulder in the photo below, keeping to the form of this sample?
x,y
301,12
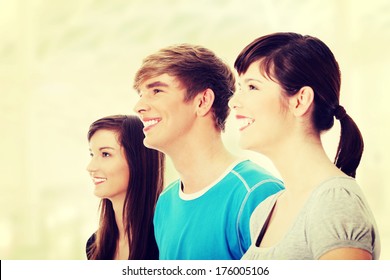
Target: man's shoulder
x,y
253,175
172,187
250,166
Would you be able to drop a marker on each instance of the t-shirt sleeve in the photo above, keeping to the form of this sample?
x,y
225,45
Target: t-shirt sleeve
x,y
253,198
339,218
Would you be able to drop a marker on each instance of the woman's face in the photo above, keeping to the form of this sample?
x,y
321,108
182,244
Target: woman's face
x,y
108,167
260,111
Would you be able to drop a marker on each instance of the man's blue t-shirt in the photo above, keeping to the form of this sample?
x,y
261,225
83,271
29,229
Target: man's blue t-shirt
x,y
213,223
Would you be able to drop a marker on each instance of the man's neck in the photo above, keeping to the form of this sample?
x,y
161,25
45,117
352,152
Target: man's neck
x,y
201,164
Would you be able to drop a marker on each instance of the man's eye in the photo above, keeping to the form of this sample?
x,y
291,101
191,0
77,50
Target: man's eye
x,y
156,90
104,154
252,87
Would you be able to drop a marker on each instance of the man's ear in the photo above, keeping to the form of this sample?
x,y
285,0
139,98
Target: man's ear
x,y
204,101
302,101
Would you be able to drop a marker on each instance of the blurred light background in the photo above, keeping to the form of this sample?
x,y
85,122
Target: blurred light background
x,y
65,63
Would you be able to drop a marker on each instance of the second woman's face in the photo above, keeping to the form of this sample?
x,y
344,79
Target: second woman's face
x,y
108,167
259,111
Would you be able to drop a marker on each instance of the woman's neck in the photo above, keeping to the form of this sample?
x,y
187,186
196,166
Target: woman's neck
x,y
304,164
122,247
117,205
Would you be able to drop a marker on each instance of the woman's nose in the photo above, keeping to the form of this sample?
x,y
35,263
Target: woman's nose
x,y
233,102
91,167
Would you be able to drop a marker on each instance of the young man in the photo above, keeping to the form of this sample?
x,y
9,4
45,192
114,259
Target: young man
x,y
184,92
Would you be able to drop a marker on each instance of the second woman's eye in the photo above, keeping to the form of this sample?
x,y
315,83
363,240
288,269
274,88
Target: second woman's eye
x,y
105,154
252,87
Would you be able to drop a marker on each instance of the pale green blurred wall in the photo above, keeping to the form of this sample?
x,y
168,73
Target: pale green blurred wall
x,y
65,63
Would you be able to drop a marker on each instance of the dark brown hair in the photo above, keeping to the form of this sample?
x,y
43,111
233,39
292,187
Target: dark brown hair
x,y
295,61
145,184
197,69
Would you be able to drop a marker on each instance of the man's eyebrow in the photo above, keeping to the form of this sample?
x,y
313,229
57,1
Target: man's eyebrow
x,y
156,84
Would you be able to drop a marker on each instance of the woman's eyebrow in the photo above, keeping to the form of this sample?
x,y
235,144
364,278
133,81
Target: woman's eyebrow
x,y
106,147
252,80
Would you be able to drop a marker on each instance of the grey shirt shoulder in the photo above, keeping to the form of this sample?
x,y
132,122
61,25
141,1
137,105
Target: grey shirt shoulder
x,y
335,215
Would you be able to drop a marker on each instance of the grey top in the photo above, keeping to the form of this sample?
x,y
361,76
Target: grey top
x,y
335,215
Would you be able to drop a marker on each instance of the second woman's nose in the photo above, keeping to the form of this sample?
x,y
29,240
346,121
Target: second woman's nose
x,y
234,102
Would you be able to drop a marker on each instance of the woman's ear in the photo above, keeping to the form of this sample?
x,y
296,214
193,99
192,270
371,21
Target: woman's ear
x,y
302,101
204,101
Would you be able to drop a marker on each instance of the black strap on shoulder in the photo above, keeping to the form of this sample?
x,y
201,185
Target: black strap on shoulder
x,y
264,228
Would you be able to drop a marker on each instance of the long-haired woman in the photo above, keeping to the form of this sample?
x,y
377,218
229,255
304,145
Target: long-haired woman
x,y
128,177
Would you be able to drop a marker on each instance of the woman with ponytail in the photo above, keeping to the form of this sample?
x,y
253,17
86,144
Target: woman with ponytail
x,y
128,177
289,95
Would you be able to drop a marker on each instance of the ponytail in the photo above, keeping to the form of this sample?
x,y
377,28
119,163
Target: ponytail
x,y
351,145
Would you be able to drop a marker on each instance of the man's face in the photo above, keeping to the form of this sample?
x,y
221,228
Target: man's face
x,y
167,118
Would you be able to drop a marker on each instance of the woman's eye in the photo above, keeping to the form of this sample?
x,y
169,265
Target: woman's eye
x,y
156,90
252,87
104,154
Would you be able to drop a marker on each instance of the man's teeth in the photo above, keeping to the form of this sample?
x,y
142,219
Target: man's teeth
x,y
149,123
